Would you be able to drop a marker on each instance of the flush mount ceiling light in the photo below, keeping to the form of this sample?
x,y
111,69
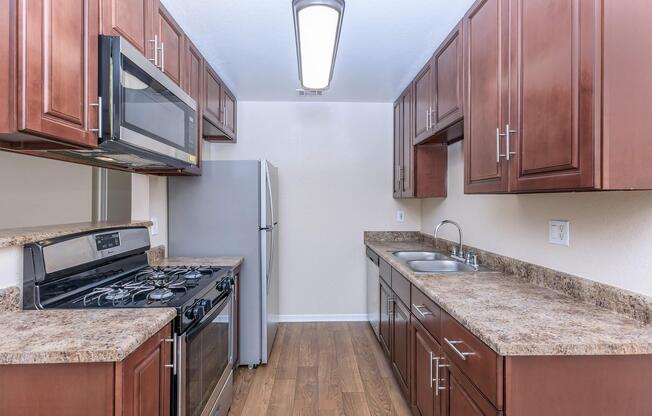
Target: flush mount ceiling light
x,y
317,25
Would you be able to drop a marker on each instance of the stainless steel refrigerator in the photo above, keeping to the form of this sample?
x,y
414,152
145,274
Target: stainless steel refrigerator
x,y
231,210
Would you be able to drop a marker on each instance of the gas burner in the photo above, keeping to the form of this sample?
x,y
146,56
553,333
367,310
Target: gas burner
x,y
160,294
117,294
192,274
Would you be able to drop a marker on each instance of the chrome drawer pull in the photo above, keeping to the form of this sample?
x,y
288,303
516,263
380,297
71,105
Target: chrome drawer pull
x,y
422,313
461,354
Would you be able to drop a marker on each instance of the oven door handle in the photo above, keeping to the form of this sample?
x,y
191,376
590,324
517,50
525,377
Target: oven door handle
x,y
206,320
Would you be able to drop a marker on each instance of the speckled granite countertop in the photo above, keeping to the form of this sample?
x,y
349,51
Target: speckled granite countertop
x,y
75,336
515,317
218,261
21,236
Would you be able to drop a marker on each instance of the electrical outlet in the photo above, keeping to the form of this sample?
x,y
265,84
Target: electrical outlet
x,y
400,215
154,228
559,232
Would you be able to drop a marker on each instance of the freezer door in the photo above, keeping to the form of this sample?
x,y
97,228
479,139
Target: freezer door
x,y
269,257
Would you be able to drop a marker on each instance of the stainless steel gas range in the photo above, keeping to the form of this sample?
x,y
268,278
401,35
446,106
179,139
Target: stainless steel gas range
x,y
109,269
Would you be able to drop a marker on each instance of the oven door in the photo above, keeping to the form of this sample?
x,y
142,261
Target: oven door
x,y
206,362
146,111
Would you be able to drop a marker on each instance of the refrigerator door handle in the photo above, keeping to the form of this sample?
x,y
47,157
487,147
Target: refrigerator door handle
x,y
270,263
269,192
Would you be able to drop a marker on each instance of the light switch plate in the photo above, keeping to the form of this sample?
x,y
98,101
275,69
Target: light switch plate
x,y
400,215
559,232
154,228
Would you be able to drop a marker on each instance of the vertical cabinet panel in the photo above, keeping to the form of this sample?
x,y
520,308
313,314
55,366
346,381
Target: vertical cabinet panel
x,y
145,388
400,344
212,97
171,45
485,52
229,112
58,69
385,318
407,173
447,63
398,147
133,20
551,91
422,105
426,401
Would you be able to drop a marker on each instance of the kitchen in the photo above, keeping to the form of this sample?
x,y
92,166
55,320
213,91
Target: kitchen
x,y
208,208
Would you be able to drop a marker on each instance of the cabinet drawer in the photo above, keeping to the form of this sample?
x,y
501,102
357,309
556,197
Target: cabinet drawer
x,y
427,312
475,359
385,271
401,286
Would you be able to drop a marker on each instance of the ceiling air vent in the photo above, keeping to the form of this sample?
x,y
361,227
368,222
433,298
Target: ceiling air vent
x,y
309,93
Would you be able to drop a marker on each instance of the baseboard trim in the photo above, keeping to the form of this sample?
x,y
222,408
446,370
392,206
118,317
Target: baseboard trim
x,y
323,318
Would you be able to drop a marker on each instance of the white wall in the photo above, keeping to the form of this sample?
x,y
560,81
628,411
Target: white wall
x,y
36,191
610,232
335,181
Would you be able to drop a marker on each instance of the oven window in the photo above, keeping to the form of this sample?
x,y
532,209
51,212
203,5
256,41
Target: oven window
x,y
207,356
150,109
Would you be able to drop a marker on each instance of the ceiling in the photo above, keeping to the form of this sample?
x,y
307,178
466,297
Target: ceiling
x,y
382,46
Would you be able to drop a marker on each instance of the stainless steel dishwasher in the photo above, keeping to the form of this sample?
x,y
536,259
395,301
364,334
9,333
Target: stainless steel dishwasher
x,y
373,290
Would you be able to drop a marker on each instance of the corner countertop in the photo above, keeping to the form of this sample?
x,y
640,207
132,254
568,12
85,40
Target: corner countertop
x,y
77,335
518,318
216,261
21,236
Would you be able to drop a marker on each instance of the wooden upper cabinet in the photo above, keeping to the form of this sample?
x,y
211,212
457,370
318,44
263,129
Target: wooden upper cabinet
x,y
422,105
407,169
552,94
171,45
212,97
229,108
448,91
398,147
486,102
134,21
57,86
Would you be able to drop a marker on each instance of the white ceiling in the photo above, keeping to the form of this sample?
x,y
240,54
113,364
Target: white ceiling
x,y
382,46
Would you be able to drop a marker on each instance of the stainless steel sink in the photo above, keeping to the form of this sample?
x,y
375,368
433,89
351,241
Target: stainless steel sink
x,y
438,266
420,255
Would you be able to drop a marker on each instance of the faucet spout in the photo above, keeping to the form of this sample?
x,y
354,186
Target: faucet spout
x,y
460,252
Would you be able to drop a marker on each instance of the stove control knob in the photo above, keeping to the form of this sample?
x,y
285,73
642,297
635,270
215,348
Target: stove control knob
x,y
221,286
206,304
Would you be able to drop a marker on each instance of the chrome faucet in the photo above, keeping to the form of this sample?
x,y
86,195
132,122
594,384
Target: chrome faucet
x,y
459,252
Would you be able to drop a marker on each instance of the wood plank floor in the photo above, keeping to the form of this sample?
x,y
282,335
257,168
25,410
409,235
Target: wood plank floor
x,y
320,368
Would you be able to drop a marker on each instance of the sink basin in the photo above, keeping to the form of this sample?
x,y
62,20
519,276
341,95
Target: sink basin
x,y
435,266
420,255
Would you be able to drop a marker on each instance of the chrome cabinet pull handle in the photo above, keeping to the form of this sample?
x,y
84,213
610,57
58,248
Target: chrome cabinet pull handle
x,y
422,313
99,116
497,145
432,358
436,375
162,66
508,140
155,42
459,353
173,366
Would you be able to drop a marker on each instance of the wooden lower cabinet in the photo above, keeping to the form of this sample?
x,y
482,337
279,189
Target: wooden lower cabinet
x,y
401,344
140,385
385,329
425,398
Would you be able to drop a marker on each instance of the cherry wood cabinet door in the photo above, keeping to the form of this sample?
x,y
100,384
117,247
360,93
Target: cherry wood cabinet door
x,y
426,401
229,115
385,327
447,63
422,105
145,388
171,40
401,344
408,165
212,97
58,69
459,396
552,94
133,20
485,96
398,147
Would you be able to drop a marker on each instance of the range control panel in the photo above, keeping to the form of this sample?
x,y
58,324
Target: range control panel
x,y
106,241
